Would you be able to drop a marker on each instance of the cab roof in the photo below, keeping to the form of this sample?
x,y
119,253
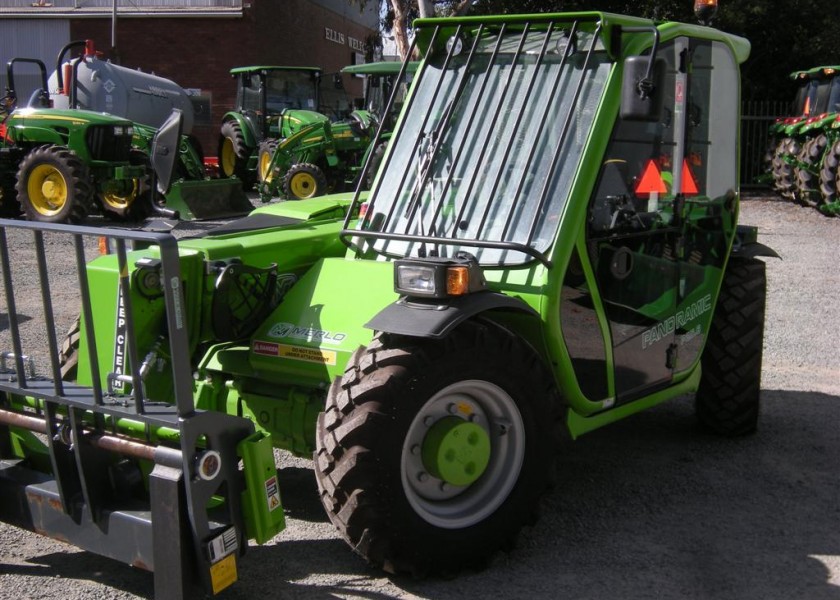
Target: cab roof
x,y
611,23
257,69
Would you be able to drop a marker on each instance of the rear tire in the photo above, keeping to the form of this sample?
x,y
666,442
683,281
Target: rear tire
x,y
728,398
373,438
52,186
234,154
782,169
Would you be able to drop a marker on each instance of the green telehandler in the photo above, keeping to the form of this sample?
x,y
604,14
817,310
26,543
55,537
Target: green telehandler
x,y
551,245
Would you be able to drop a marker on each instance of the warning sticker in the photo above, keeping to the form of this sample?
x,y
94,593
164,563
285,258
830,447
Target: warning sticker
x,y
272,493
266,348
313,355
223,573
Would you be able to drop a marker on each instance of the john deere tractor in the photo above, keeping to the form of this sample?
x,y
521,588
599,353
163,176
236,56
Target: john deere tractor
x,y
271,102
276,136
551,245
799,155
67,163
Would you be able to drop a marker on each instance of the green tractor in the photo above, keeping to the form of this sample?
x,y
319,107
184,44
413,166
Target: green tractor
x,y
271,103
276,136
551,245
799,154
800,109
87,82
67,163
820,137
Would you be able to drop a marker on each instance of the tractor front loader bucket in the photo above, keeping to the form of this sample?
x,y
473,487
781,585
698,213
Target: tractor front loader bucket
x,y
208,199
102,465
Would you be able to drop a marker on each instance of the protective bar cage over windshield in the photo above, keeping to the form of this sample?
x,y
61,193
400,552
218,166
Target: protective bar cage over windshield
x,y
489,142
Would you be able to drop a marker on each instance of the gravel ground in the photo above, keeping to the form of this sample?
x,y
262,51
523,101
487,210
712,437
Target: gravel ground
x,y
651,507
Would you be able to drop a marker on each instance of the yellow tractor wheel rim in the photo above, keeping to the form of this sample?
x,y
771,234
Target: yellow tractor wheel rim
x,y
119,201
265,163
47,189
228,158
303,185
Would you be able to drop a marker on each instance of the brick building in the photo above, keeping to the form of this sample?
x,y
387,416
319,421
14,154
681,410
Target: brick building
x,y
196,42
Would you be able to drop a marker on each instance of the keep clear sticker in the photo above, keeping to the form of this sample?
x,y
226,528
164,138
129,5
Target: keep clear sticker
x,y
223,573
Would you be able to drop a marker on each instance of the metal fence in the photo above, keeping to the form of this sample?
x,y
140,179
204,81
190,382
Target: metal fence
x,y
756,118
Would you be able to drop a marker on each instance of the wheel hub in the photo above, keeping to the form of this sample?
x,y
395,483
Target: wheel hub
x,y
456,451
47,189
303,184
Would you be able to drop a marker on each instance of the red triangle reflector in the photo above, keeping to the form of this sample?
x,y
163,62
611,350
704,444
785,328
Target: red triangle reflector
x,y
651,181
689,186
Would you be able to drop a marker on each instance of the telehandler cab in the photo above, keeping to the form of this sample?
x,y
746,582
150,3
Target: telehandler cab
x,y
550,245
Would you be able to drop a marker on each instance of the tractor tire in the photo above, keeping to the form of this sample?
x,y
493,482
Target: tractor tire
x,y
304,181
807,170
234,154
728,398
266,152
381,462
829,181
783,170
68,354
128,200
52,186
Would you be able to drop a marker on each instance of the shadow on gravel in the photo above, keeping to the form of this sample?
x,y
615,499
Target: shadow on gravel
x,y
651,507
4,320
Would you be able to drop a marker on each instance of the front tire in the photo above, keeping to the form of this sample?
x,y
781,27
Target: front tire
x,y
304,181
829,181
728,398
52,186
806,171
129,199
431,455
266,152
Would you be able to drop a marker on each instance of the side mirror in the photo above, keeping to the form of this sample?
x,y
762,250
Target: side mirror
x,y
641,88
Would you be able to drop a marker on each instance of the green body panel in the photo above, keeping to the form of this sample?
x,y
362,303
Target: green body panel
x,y
308,339
35,126
261,503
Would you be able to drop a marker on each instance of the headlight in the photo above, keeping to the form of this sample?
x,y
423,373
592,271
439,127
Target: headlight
x,y
438,277
416,279
119,130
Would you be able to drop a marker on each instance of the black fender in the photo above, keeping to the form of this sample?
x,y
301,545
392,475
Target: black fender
x,y
752,250
747,246
436,318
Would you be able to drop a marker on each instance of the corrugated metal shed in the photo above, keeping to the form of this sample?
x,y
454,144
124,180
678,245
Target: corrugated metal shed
x,y
30,38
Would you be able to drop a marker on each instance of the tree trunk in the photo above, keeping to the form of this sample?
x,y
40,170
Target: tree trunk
x,y
400,33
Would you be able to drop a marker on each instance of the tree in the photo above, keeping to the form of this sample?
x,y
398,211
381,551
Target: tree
x,y
785,36
398,15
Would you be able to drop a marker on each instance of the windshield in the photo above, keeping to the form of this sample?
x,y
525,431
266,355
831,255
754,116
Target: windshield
x,y
489,146
290,89
834,96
